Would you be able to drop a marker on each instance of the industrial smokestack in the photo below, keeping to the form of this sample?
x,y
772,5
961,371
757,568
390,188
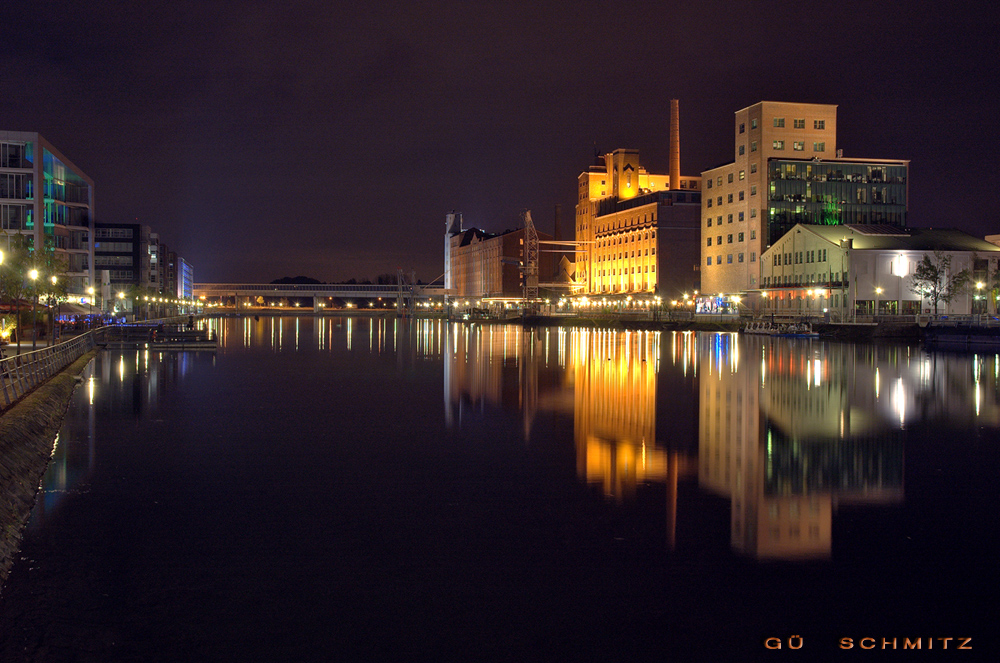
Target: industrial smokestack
x,y
675,145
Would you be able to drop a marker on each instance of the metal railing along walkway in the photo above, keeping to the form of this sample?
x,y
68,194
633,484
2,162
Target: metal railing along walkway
x,y
22,373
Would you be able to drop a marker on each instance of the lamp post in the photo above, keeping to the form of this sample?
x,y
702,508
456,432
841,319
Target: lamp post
x,y
878,291
90,291
121,300
33,275
53,302
979,295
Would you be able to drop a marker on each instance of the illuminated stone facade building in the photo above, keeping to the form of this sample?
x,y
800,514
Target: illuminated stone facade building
x,y
637,231
861,268
46,198
787,170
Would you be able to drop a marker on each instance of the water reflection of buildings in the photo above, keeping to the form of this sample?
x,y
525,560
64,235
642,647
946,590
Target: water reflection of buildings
x,y
606,379
113,382
790,431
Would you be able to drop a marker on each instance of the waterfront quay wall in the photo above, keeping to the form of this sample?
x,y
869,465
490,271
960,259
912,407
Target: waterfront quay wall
x,y
27,434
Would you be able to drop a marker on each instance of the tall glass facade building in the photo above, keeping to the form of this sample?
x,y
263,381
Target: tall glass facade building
x,y
835,192
50,202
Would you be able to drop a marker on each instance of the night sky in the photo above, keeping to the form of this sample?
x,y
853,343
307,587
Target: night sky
x,y
329,139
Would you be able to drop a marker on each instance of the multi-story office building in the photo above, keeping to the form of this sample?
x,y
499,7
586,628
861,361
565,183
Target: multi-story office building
x,y
787,170
133,256
118,248
47,199
185,279
636,231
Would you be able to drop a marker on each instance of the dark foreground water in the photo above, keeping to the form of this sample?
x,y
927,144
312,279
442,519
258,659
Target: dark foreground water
x,y
372,490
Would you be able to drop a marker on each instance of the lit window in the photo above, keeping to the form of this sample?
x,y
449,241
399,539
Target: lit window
x,y
778,144
743,175
753,234
719,180
779,122
819,124
753,123
753,189
799,124
819,147
799,145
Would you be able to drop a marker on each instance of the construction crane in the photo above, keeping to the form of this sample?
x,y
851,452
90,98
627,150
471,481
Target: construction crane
x,y
530,269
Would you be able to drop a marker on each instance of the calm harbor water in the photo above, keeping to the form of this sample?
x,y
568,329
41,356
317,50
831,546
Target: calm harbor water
x,y
347,489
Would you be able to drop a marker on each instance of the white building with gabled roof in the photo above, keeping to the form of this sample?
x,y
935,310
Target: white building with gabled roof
x,y
851,270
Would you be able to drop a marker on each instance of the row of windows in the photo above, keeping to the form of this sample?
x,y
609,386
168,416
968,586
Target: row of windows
x,y
729,258
729,239
648,269
799,257
625,256
113,233
798,146
753,213
780,122
802,279
113,261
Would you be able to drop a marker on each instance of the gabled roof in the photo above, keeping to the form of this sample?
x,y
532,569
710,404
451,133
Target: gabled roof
x,y
886,237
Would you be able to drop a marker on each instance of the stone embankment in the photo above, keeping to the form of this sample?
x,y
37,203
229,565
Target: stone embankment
x,y
27,433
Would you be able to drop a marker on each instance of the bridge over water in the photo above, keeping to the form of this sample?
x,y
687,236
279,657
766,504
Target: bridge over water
x,y
318,292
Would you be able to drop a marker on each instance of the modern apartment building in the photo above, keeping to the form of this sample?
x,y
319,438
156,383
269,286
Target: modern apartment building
x,y
787,170
636,231
47,199
118,248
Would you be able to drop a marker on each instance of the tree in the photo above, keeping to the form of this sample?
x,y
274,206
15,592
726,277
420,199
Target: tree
x,y
14,273
934,280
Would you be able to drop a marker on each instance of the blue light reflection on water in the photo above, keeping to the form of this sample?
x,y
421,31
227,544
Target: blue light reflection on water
x,y
684,473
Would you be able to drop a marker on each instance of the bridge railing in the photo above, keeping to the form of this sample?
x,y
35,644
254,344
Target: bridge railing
x,y
23,373
307,289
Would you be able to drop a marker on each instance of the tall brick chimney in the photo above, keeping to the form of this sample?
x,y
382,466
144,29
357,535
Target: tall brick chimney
x,y
675,145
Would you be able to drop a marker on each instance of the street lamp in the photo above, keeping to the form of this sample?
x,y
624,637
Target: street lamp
x,y
878,291
33,275
53,302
